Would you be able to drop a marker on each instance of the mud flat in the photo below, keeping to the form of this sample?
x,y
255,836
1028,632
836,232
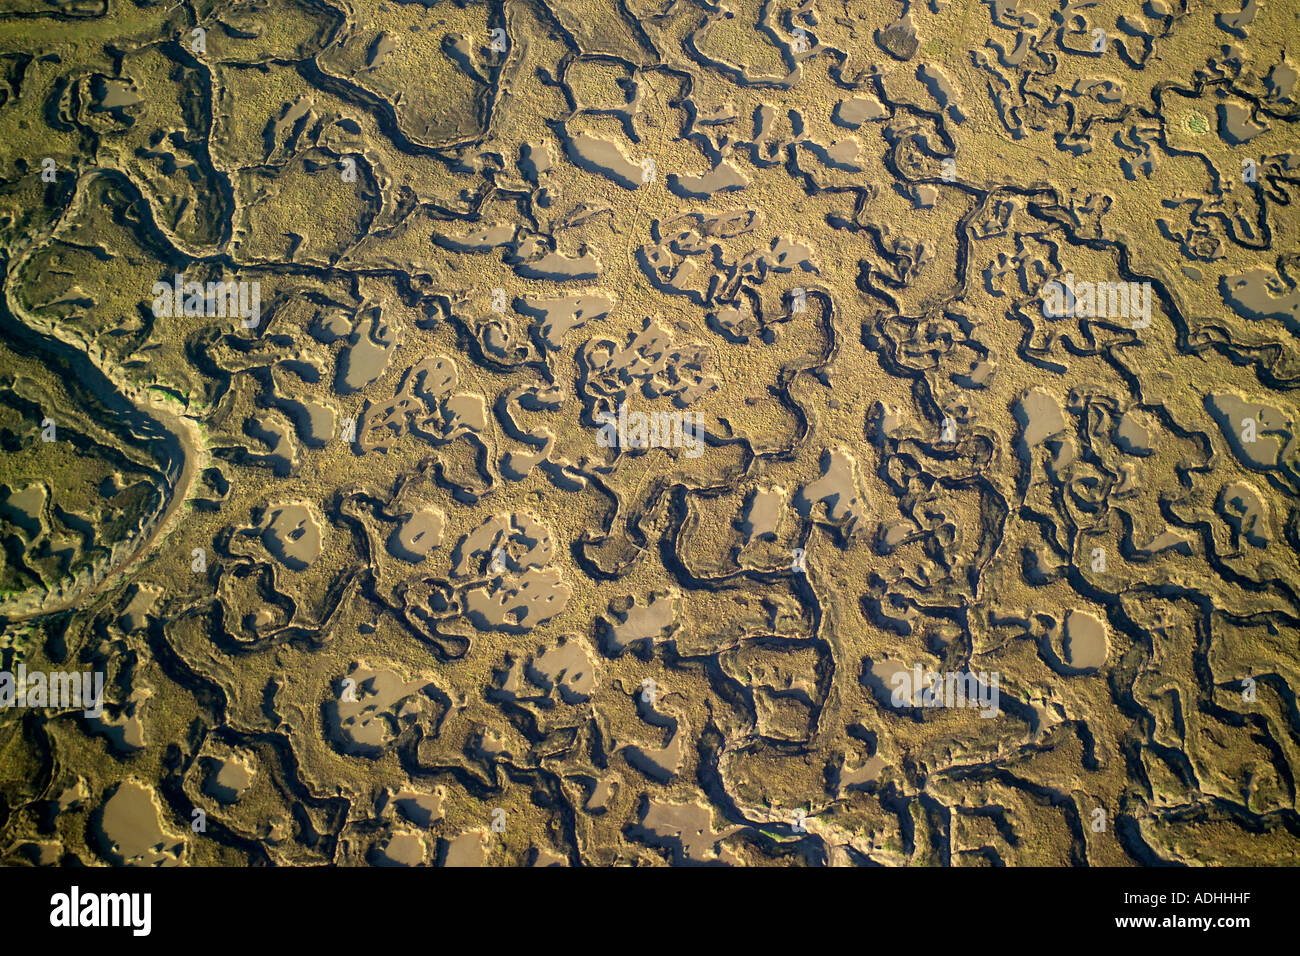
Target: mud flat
x,y
368,582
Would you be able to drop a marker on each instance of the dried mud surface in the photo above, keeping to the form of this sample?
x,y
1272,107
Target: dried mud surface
x,y
366,587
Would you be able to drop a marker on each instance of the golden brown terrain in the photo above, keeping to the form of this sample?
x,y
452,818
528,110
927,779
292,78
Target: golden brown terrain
x,y
622,407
